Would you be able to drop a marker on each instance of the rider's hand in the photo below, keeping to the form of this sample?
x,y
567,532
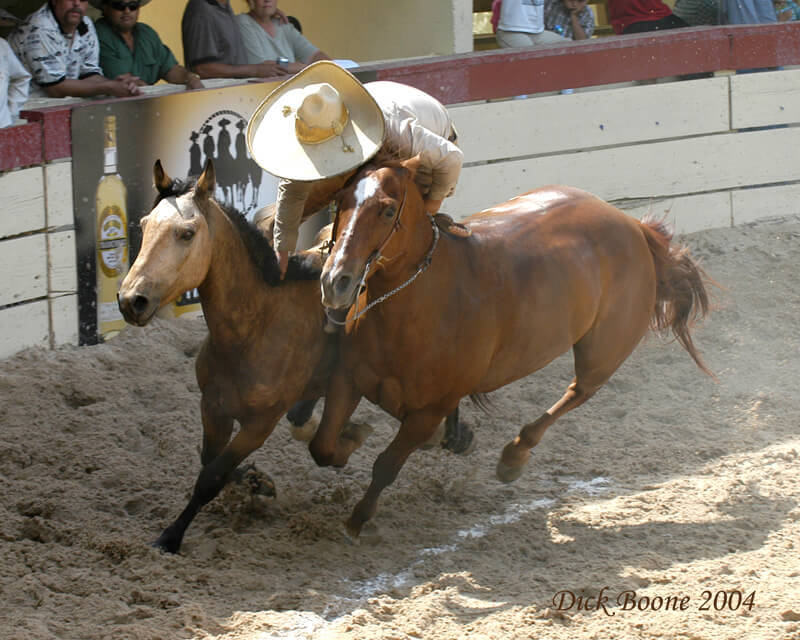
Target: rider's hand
x,y
432,206
283,261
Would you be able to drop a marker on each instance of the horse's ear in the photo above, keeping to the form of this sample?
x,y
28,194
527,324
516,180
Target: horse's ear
x,y
207,182
160,178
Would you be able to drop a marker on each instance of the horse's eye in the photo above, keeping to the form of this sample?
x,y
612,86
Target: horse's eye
x,y
187,235
142,223
388,212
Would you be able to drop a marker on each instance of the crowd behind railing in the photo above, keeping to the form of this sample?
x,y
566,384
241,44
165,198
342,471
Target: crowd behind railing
x,y
58,51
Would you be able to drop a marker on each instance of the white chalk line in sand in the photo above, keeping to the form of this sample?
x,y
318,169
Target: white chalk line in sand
x,y
309,624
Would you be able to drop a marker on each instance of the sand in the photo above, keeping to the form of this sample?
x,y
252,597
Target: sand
x,y
667,484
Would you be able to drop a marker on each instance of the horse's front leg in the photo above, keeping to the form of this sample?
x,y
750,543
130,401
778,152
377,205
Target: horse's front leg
x,y
416,429
217,429
336,438
215,474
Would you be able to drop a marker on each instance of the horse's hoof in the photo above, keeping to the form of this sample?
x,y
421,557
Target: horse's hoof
x,y
459,439
350,535
356,433
166,543
305,432
436,439
508,474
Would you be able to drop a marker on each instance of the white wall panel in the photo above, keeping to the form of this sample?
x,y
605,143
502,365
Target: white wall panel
x,y
548,124
64,310
22,205
25,325
766,202
63,262
58,185
23,263
766,98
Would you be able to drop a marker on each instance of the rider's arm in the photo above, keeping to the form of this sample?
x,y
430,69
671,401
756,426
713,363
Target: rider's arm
x,y
292,195
442,156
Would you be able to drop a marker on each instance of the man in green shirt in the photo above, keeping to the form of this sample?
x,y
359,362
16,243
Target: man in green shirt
x,y
131,49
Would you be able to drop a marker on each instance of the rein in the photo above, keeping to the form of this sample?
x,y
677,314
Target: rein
x,y
426,261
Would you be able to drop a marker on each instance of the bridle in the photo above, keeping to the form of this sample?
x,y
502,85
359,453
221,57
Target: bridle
x,y
376,255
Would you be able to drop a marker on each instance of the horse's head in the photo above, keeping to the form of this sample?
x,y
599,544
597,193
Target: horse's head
x,y
176,247
373,208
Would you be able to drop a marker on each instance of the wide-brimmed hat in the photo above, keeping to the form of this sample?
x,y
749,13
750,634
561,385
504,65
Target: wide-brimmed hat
x,y
320,123
98,4
8,19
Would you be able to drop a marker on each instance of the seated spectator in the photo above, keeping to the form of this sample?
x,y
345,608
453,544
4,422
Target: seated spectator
x,y
129,47
521,24
786,10
213,47
571,19
638,16
696,13
267,37
14,78
748,12
58,45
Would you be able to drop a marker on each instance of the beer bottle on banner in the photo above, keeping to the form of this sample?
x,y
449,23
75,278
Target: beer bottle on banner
x,y
111,237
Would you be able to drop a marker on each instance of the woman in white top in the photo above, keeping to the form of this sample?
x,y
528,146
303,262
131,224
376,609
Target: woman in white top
x,y
521,24
14,78
267,35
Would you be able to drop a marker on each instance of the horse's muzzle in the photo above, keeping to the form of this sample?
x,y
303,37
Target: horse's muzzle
x,y
339,289
137,309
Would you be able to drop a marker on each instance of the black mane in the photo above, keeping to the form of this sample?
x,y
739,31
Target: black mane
x,y
258,247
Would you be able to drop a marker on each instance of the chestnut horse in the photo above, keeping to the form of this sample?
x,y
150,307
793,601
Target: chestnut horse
x,y
265,349
443,317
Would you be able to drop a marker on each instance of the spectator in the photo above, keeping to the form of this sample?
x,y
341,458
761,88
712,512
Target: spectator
x,y
267,37
131,48
696,13
571,19
213,46
638,16
786,10
748,12
521,24
14,78
58,45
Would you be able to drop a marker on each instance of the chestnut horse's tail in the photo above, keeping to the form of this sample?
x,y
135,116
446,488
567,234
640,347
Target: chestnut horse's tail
x,y
681,295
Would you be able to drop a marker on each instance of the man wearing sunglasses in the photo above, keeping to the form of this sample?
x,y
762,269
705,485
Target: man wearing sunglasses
x,y
58,45
131,49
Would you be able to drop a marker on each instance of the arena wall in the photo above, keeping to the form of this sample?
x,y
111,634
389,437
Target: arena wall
x,y
709,152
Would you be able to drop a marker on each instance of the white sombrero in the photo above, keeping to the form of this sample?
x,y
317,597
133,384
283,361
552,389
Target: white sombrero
x,y
320,123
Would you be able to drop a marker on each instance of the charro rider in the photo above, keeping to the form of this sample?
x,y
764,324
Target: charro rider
x,y
323,123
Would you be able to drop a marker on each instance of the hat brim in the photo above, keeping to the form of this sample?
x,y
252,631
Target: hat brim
x,y
98,4
273,143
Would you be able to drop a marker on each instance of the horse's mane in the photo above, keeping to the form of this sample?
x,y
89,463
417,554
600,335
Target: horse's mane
x,y
301,267
387,156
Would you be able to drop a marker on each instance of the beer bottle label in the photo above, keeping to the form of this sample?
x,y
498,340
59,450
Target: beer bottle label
x,y
112,242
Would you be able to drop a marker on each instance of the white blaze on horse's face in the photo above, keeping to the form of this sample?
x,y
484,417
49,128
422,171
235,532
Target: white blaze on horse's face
x,y
366,189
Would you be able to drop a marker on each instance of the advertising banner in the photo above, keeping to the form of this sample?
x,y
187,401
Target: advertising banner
x,y
114,147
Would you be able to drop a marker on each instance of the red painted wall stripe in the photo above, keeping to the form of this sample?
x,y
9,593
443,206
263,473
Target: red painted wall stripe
x,y
20,146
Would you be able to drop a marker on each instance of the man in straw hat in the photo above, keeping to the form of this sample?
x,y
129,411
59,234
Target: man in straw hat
x,y
291,135
59,47
131,48
324,123
14,78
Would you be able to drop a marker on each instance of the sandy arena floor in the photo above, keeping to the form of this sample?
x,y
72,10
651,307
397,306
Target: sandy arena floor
x,y
666,484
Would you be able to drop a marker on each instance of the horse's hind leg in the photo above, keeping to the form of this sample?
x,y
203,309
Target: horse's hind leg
x,y
597,356
516,453
214,475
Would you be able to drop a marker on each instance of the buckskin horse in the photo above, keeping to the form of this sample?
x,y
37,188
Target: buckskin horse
x,y
265,348
435,317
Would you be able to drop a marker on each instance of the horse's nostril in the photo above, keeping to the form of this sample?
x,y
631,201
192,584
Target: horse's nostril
x,y
341,284
139,304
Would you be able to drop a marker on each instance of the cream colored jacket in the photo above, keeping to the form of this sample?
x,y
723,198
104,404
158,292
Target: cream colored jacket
x,y
416,124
